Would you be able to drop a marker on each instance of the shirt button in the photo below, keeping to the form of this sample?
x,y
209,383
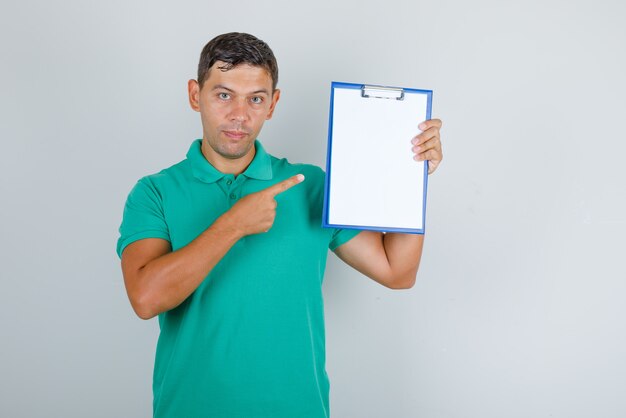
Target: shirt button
x,y
233,196
229,182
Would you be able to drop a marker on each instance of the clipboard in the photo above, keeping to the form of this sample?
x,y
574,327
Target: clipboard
x,y
372,180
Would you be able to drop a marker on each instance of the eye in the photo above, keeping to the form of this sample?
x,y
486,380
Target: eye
x,y
224,96
256,100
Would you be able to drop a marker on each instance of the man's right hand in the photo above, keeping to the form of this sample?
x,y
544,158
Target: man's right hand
x,y
255,213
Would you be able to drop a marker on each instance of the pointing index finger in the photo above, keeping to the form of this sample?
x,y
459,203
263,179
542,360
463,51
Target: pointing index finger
x,y
285,185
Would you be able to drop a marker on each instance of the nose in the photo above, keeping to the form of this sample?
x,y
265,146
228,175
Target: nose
x,y
239,111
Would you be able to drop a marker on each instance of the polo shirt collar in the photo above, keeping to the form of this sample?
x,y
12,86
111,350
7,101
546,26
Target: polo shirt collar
x,y
260,168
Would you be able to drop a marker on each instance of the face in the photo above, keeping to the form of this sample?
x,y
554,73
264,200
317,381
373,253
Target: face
x,y
233,106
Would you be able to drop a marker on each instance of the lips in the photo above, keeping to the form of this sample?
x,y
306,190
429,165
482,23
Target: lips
x,y
235,134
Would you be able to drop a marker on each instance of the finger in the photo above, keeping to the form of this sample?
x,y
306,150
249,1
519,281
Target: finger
x,y
425,136
284,185
433,143
431,123
431,155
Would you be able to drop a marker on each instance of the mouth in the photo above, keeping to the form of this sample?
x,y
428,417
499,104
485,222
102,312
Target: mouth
x,y
235,134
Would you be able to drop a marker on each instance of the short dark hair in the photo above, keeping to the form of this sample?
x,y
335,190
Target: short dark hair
x,y
234,49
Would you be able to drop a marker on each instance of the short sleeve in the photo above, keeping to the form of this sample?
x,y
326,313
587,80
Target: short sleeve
x,y
143,216
341,236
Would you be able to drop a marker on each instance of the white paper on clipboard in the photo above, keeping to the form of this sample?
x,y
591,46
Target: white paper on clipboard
x,y
372,181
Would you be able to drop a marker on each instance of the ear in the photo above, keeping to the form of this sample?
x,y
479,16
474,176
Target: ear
x,y
275,98
193,88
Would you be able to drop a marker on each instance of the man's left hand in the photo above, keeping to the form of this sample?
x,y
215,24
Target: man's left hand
x,y
427,145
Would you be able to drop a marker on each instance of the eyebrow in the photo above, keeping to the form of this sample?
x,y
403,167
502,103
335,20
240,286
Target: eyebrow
x,y
223,87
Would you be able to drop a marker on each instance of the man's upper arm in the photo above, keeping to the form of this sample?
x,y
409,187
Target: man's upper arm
x,y
143,216
144,235
138,254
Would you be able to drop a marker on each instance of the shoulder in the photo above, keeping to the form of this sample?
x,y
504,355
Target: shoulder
x,y
157,184
173,174
283,168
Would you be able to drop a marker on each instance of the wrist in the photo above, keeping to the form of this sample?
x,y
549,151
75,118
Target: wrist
x,y
227,226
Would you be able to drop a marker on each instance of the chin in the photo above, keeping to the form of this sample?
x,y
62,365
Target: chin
x,y
234,153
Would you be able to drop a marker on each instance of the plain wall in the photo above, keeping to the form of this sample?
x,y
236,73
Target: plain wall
x,y
518,310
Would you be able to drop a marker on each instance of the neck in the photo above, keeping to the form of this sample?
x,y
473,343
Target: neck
x,y
225,165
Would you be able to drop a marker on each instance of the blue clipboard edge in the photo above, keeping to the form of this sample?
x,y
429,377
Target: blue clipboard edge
x,y
325,223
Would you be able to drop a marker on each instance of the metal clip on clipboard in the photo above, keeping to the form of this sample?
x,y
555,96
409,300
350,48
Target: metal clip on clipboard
x,y
381,92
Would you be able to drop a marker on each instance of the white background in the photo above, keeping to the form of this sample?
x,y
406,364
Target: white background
x,y
518,310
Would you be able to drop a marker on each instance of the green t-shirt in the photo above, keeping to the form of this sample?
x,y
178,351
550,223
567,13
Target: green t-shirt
x,y
249,342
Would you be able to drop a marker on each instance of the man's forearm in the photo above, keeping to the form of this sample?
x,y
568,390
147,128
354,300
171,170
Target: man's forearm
x,y
390,259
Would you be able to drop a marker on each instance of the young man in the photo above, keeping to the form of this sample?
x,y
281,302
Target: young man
x,y
227,248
